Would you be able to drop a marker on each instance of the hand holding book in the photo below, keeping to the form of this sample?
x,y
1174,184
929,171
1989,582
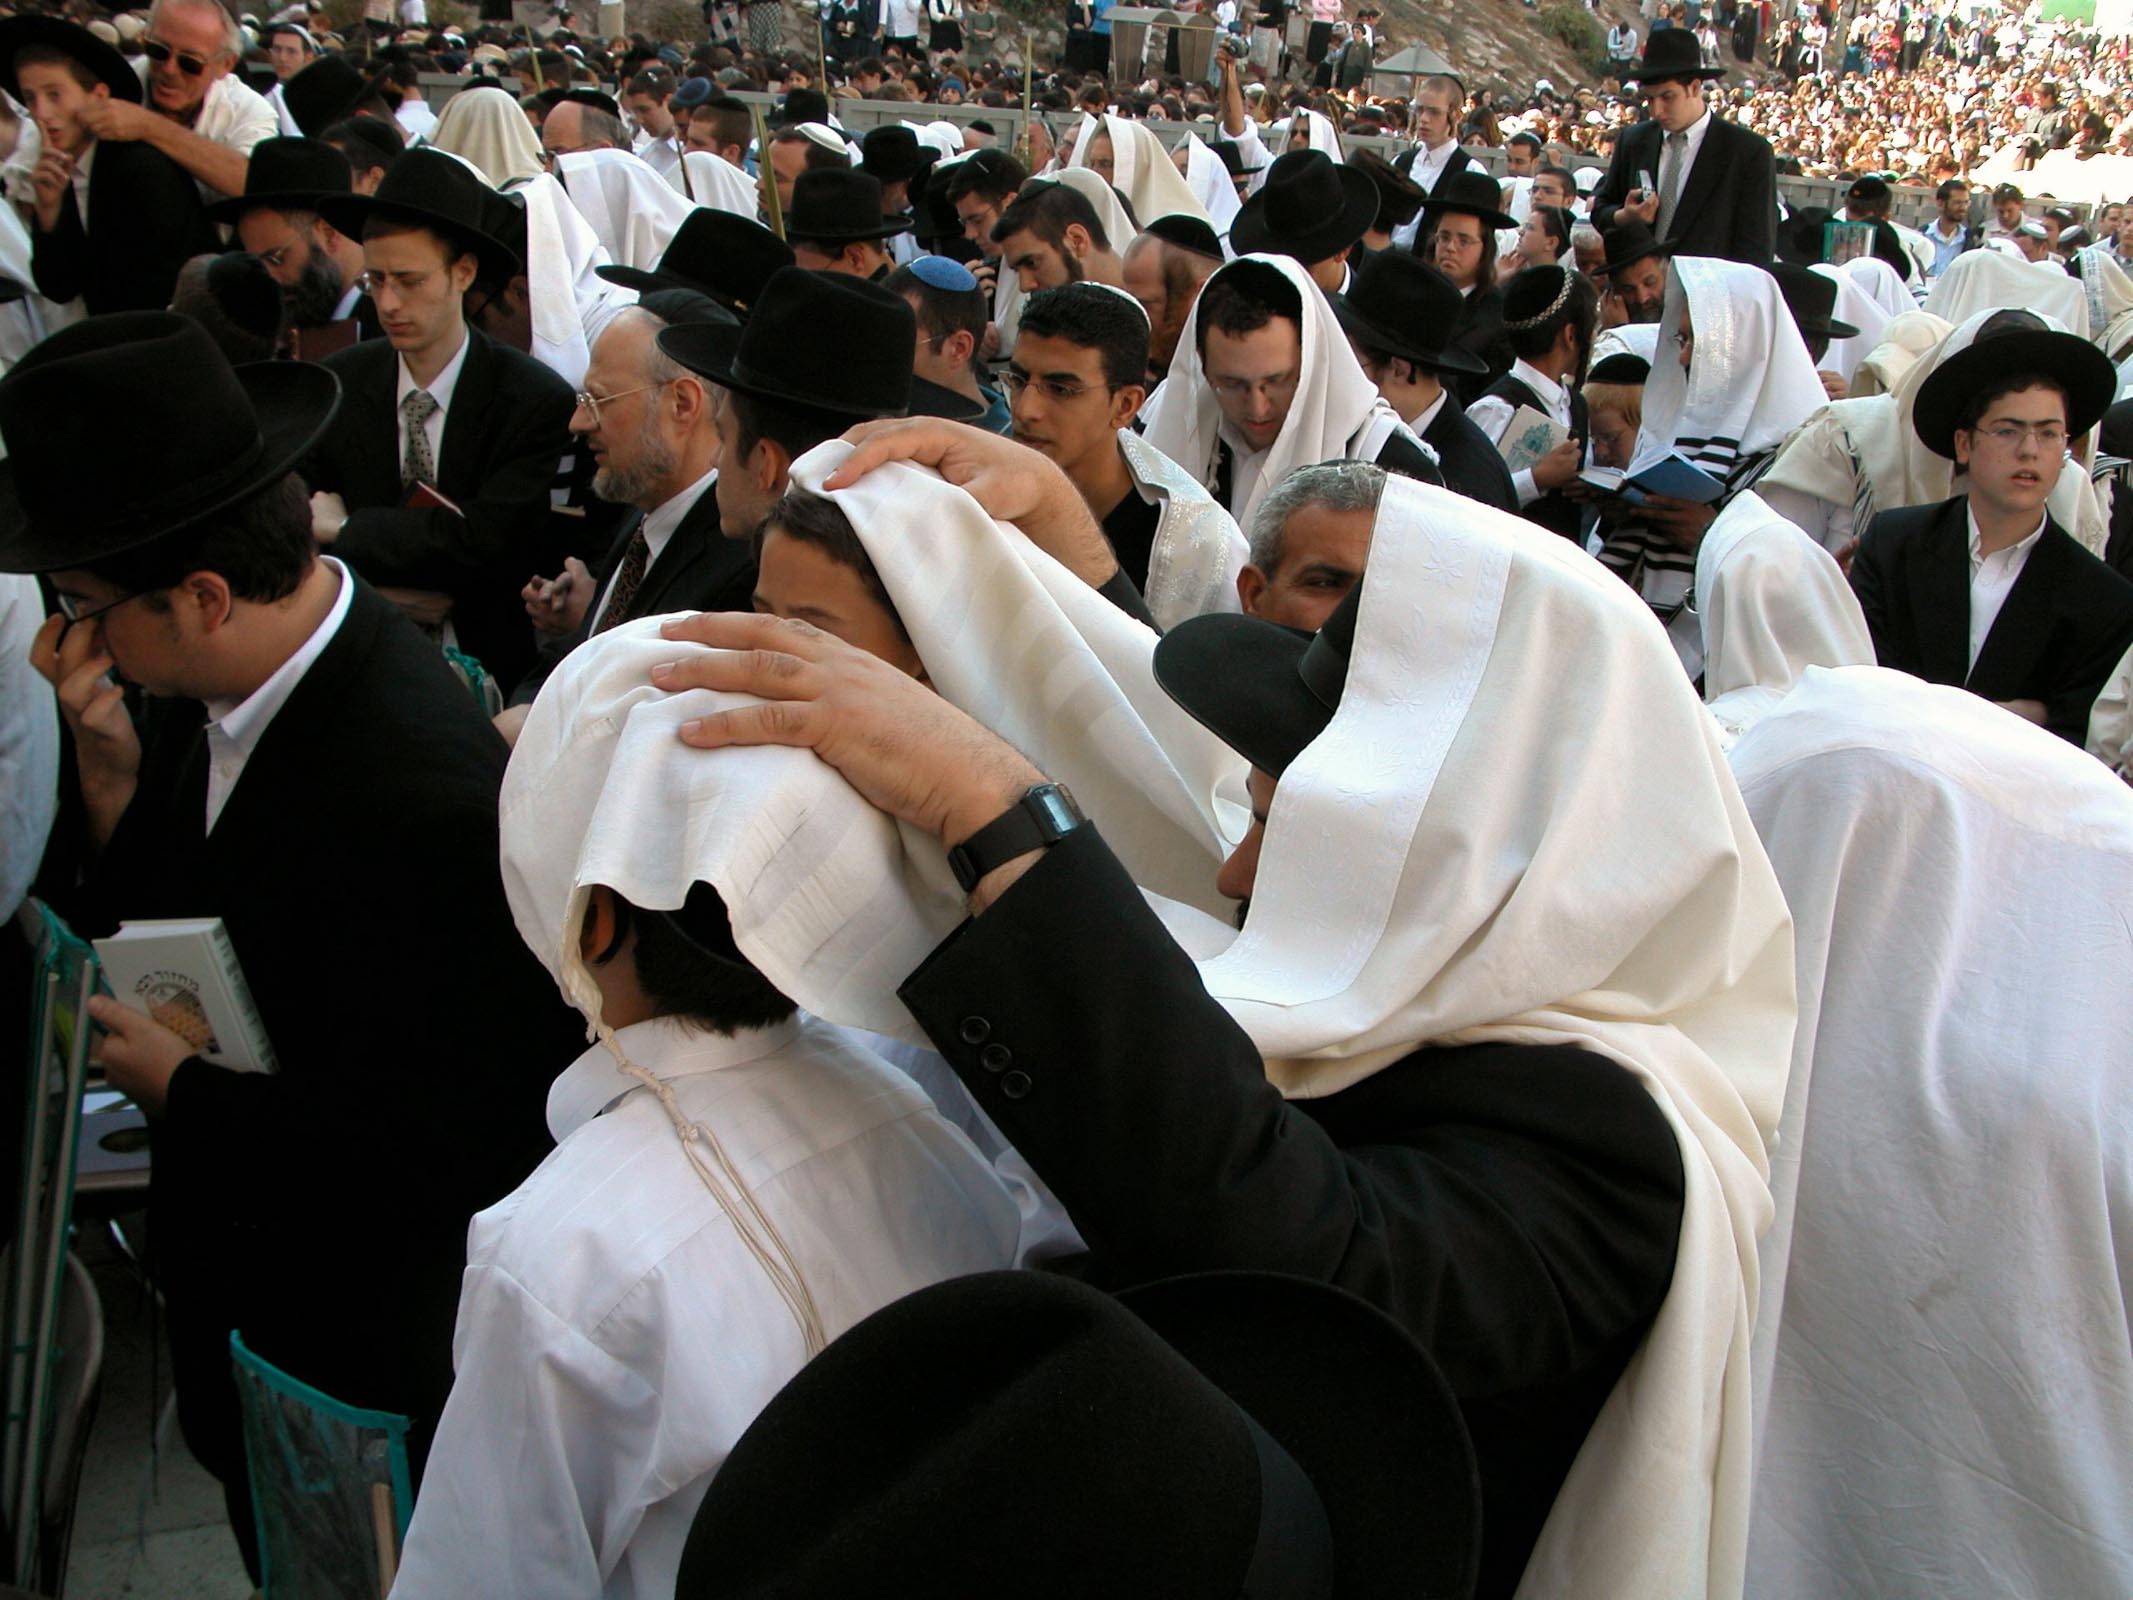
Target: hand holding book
x,y
138,1054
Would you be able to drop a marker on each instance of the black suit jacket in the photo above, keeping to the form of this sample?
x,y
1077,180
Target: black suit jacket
x,y
1480,334
1458,161
145,221
699,570
505,435
323,1210
1516,1208
1470,463
2064,625
1728,204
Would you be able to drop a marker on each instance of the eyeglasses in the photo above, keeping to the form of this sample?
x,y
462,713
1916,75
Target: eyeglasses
x,y
274,258
400,282
590,404
159,52
1015,380
2010,435
1241,388
74,611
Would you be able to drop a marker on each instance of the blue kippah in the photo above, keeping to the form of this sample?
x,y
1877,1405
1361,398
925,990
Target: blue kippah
x,y
692,93
939,272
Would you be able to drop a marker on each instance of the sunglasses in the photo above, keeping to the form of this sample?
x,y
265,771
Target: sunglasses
x,y
159,52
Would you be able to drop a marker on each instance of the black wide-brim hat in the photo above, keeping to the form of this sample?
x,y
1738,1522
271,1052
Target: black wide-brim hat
x,y
840,205
111,68
2085,372
715,253
429,189
1811,296
824,340
324,93
287,175
209,435
1399,303
1628,243
1264,690
1672,53
1023,1434
892,154
1475,194
1310,208
1800,239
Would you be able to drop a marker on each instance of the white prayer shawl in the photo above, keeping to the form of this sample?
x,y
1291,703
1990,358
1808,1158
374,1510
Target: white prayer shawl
x,y
1432,872
1865,453
2111,719
1337,413
1118,227
1882,283
1772,603
708,180
1944,1353
1984,280
1035,654
1198,549
570,303
1640,339
1903,341
1141,170
1859,308
486,127
633,209
2109,293
1322,136
1210,184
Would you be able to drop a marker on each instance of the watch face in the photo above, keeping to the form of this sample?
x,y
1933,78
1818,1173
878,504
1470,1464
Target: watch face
x,y
1055,808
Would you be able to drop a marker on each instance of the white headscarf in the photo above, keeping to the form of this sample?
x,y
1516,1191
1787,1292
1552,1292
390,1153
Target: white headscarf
x,y
1210,184
1336,404
1773,603
1903,341
1324,137
1866,454
486,127
631,207
1750,381
1043,660
1984,280
1447,863
1943,1350
1859,308
1118,227
570,304
1141,169
708,180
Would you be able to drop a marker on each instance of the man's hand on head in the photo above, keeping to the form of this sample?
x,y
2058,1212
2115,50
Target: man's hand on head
x,y
907,750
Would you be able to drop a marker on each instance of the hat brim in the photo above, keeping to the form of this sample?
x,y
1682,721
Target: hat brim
x,y
710,352
1827,328
1236,676
652,282
112,69
348,214
1402,1496
2085,372
1658,247
889,229
234,209
1490,217
1251,234
1378,337
295,402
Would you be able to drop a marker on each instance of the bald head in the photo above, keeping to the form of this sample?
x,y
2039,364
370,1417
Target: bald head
x,y
571,127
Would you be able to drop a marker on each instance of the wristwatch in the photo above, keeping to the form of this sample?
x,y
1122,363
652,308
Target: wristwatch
x,y
1040,819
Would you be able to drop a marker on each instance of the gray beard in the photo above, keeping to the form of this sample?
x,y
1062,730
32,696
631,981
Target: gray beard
x,y
630,485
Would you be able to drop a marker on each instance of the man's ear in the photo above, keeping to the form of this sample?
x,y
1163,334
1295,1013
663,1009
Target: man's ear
x,y
770,465
1962,449
1077,241
205,597
596,934
1251,589
1126,404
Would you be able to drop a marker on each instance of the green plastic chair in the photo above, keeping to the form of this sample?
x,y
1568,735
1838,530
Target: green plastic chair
x,y
331,1489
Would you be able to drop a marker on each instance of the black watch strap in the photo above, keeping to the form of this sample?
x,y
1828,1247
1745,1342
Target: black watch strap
x,y
1040,819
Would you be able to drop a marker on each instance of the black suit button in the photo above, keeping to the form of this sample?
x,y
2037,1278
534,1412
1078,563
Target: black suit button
x,y
1015,1085
975,1030
995,1057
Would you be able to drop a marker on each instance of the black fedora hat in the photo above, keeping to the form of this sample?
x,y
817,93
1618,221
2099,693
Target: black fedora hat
x,y
1628,243
840,205
801,105
1399,303
286,175
324,93
716,253
892,153
1800,239
1811,296
2010,343
1310,208
1399,196
429,189
1474,193
1020,1433
112,69
1231,155
209,434
1672,53
1264,690
825,340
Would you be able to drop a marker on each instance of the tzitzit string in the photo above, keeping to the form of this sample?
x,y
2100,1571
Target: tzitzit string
x,y
734,1197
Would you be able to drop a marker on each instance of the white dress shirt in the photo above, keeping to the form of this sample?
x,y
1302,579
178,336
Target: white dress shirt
x,y
1991,578
284,117
234,115
234,727
615,1334
440,388
899,18
1429,165
416,119
658,530
1491,412
661,155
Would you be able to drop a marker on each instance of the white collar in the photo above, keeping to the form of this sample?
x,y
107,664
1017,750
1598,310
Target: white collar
x,y
1421,422
1544,387
2016,551
662,520
440,387
665,1047
242,722
347,309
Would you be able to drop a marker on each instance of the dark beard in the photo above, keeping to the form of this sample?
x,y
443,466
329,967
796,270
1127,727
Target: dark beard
x,y
1244,909
316,294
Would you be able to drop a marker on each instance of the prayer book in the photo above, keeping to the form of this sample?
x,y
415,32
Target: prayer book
x,y
1675,476
1527,437
184,973
426,496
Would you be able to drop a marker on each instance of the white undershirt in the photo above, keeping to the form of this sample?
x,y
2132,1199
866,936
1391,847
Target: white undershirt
x,y
1992,578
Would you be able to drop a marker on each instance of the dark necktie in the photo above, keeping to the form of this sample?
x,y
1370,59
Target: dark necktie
x,y
629,578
